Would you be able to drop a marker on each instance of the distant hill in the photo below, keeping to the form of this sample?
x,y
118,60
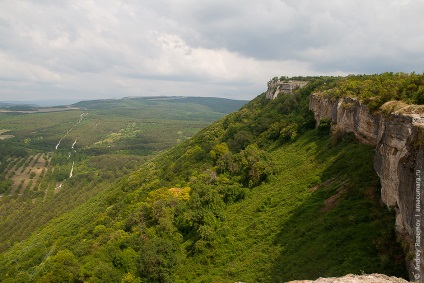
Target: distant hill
x,y
22,107
220,105
41,103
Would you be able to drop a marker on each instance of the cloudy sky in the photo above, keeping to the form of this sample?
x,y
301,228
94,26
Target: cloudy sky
x,y
74,49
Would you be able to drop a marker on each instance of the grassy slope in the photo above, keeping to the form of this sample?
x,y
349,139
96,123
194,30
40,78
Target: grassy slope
x,y
282,230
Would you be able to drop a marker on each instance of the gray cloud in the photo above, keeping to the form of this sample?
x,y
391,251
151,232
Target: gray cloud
x,y
99,49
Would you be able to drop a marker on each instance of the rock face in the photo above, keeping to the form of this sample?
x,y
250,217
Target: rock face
x,y
275,87
372,278
399,158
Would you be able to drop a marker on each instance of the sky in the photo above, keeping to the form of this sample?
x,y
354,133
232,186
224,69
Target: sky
x,y
96,49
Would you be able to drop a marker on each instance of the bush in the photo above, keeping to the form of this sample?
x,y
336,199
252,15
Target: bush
x,y
324,126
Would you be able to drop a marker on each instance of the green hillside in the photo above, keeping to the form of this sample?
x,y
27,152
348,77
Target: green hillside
x,y
39,151
258,196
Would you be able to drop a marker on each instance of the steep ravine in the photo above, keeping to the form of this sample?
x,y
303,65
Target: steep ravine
x,y
397,131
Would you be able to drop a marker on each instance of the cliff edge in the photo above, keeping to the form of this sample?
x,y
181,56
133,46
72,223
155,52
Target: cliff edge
x,y
276,87
397,132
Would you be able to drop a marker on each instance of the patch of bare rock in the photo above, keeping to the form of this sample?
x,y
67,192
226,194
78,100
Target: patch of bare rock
x,y
350,278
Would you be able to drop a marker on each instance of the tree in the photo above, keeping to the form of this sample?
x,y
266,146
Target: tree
x,y
129,278
240,141
62,267
159,256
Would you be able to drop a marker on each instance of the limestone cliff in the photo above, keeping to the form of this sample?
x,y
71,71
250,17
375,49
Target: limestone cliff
x,y
276,87
397,132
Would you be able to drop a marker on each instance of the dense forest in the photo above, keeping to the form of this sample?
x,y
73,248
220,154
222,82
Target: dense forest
x,y
258,196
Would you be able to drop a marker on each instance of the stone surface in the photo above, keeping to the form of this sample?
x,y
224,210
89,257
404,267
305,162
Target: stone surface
x,y
398,137
350,278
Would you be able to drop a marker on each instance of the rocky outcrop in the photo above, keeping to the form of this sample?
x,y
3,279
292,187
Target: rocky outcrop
x,y
372,278
397,132
276,87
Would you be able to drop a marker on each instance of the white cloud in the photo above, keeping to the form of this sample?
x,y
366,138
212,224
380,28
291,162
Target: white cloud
x,y
13,69
183,47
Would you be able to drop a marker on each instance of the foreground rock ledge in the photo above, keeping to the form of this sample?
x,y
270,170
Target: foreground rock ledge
x,y
350,278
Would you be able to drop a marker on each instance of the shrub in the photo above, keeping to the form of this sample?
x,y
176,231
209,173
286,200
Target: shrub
x,y
324,126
